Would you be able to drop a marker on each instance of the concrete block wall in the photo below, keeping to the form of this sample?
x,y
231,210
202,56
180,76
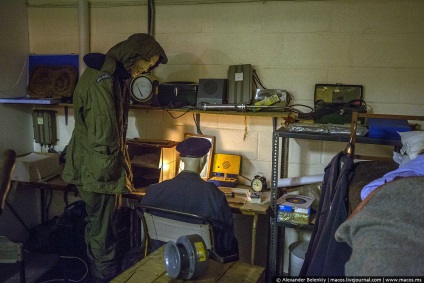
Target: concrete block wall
x,y
293,45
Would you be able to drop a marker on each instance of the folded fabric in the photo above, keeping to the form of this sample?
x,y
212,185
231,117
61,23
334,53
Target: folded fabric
x,y
415,167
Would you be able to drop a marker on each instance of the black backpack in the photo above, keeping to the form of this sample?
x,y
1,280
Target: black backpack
x,y
70,230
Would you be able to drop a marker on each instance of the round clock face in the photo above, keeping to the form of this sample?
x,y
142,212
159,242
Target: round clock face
x,y
142,88
258,184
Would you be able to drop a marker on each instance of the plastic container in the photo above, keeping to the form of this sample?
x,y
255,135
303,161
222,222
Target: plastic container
x,y
387,128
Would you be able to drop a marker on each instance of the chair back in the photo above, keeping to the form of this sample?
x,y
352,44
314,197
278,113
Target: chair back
x,y
7,163
166,229
10,252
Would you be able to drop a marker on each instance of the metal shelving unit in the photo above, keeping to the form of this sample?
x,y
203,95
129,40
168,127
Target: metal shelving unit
x,y
280,150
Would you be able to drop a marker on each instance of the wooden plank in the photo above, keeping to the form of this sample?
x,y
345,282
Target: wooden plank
x,y
244,272
252,208
390,116
214,272
219,112
372,157
152,142
152,269
147,270
263,113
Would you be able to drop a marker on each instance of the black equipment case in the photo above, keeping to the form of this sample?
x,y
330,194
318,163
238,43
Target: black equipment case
x,y
334,103
177,94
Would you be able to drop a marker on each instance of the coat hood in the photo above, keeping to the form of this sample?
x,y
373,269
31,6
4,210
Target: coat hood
x,y
139,45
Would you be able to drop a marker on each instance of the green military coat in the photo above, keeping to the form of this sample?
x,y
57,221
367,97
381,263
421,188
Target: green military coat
x,y
97,158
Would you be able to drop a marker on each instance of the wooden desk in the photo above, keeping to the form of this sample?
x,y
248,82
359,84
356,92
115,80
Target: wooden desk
x,y
152,269
57,183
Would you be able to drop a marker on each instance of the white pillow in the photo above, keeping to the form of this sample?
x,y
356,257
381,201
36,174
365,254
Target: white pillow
x,y
413,143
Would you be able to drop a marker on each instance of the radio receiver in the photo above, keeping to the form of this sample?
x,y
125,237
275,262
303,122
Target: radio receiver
x,y
177,94
240,82
212,91
225,169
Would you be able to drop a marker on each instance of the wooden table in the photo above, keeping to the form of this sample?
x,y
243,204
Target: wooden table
x,y
152,269
254,209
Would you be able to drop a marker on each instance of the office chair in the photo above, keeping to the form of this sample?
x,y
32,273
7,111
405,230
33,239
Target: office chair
x,y
166,229
17,265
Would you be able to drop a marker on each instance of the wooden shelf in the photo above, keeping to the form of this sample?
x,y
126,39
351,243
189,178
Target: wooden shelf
x,y
260,113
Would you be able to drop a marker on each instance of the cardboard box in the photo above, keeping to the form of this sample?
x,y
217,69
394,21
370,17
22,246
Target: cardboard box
x,y
295,209
36,166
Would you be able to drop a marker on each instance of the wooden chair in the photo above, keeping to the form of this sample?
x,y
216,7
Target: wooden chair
x,y
16,264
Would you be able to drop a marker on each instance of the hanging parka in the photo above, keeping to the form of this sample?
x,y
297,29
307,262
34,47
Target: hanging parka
x,y
97,157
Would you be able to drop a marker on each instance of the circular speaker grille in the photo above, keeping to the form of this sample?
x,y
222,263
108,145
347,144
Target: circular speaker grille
x,y
226,164
210,87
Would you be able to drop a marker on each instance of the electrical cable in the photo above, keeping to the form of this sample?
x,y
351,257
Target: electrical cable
x,y
70,280
256,78
245,178
197,122
48,201
151,16
289,98
322,108
20,76
254,82
302,105
176,117
245,129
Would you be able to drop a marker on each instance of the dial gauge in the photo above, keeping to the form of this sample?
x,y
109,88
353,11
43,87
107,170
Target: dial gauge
x,y
143,87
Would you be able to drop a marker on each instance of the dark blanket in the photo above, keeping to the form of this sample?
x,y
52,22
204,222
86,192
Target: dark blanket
x,y
364,172
385,231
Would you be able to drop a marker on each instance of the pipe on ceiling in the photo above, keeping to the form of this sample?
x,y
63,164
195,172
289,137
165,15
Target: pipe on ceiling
x,y
84,32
